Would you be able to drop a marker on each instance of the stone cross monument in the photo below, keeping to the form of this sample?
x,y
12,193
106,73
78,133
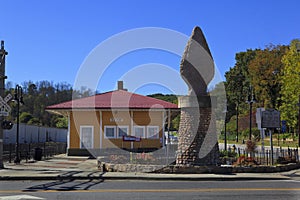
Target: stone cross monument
x,y
198,143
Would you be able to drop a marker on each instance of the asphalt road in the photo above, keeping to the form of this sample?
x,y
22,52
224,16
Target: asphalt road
x,y
102,189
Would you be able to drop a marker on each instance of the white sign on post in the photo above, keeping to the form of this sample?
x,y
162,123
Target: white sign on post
x,y
262,130
258,117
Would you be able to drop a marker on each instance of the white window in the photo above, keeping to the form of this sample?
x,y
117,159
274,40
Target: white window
x,y
86,137
152,132
122,131
110,131
139,131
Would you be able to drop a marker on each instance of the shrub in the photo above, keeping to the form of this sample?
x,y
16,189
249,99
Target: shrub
x,y
255,133
228,154
250,146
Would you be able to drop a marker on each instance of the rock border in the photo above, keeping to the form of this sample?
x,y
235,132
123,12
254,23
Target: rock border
x,y
174,169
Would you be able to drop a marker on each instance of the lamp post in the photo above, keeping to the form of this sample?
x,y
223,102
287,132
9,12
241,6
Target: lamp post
x,y
237,123
19,100
225,129
3,54
250,101
240,79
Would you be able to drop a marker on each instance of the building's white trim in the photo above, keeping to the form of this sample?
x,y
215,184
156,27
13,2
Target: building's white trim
x,y
163,128
169,125
58,111
69,131
101,130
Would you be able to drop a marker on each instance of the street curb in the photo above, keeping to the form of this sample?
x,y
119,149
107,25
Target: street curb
x,y
173,169
145,177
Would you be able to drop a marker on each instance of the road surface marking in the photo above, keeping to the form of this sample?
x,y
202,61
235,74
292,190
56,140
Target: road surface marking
x,y
16,197
156,190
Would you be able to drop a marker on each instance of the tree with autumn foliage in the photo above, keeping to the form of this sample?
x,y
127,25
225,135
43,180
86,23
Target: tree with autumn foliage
x,y
264,71
290,85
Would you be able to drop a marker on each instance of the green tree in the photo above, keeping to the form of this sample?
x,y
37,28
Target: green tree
x,y
290,81
219,94
166,97
172,99
37,96
34,121
61,122
175,122
25,117
238,82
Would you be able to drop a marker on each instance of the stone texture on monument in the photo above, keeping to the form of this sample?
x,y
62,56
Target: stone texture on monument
x,y
197,120
197,58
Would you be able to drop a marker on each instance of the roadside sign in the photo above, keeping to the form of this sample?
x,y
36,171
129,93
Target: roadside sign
x,y
5,108
283,126
129,138
4,113
270,119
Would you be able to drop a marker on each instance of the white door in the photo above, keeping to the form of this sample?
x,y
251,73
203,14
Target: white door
x,y
86,137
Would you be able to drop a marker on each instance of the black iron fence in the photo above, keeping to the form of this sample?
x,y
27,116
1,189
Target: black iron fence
x,y
37,151
263,157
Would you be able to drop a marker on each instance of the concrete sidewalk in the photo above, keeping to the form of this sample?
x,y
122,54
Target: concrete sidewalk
x,y
62,167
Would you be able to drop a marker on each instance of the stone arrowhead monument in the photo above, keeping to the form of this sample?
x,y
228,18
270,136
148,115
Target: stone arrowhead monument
x,y
198,143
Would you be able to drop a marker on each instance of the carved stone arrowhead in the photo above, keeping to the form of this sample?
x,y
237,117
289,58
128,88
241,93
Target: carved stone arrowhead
x,y
197,143
197,65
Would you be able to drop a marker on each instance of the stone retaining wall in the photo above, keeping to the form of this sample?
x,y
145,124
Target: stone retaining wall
x,y
108,167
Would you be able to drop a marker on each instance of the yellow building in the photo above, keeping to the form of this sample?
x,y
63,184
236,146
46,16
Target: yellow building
x,y
116,119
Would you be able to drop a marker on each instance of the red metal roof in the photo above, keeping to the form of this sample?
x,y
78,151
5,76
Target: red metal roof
x,y
114,99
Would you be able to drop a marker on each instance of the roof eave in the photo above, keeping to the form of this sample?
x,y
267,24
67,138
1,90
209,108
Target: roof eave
x,y
63,111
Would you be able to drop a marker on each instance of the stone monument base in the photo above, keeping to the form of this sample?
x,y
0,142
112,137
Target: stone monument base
x,y
198,144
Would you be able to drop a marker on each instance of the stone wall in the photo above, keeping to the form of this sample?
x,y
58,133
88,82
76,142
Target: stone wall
x,y
175,169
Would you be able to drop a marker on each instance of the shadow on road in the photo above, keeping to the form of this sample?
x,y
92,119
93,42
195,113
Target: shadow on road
x,y
68,182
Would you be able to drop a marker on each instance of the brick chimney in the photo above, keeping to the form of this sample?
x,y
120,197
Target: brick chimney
x,y
121,86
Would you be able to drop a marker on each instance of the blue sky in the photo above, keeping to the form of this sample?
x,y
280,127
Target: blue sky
x,y
49,40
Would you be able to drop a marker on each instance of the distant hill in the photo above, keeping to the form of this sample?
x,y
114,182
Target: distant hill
x,y
166,97
174,126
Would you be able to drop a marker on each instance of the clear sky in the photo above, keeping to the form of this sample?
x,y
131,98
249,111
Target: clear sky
x,y
50,39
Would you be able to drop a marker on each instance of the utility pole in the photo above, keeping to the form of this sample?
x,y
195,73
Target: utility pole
x,y
3,53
